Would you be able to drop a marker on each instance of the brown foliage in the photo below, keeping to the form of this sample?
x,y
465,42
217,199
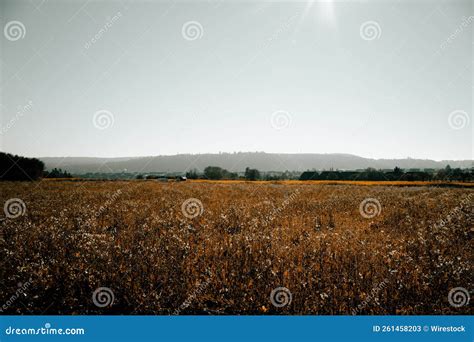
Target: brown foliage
x,y
252,237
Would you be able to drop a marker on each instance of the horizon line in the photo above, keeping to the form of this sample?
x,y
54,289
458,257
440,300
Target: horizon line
x,y
251,152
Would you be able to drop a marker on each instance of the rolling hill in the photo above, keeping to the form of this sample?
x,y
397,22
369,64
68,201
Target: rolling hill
x,y
239,161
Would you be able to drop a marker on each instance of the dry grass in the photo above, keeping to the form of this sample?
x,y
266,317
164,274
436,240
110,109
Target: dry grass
x,y
346,182
251,238
298,182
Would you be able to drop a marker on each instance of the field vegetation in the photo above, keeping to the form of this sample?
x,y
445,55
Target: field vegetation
x,y
226,247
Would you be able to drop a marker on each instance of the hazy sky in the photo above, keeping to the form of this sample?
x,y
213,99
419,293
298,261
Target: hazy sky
x,y
380,79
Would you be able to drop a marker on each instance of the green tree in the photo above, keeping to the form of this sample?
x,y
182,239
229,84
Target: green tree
x,y
192,174
252,174
57,173
213,172
13,167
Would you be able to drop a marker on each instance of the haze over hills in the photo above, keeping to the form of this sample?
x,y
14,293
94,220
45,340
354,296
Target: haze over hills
x,y
237,162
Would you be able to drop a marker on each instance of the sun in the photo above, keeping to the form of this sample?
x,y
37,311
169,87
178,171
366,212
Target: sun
x,y
323,11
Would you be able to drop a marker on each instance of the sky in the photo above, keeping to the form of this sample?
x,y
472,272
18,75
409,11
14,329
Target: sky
x,y
378,79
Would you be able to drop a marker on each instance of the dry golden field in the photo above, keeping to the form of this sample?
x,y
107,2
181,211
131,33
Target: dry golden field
x,y
146,247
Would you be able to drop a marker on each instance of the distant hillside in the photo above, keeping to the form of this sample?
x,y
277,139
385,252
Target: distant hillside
x,y
237,162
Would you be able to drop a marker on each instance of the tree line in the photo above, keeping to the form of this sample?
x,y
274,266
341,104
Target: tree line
x,y
216,173
17,168
397,174
14,167
369,174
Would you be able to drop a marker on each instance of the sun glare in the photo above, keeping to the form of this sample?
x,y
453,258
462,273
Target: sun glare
x,y
323,11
